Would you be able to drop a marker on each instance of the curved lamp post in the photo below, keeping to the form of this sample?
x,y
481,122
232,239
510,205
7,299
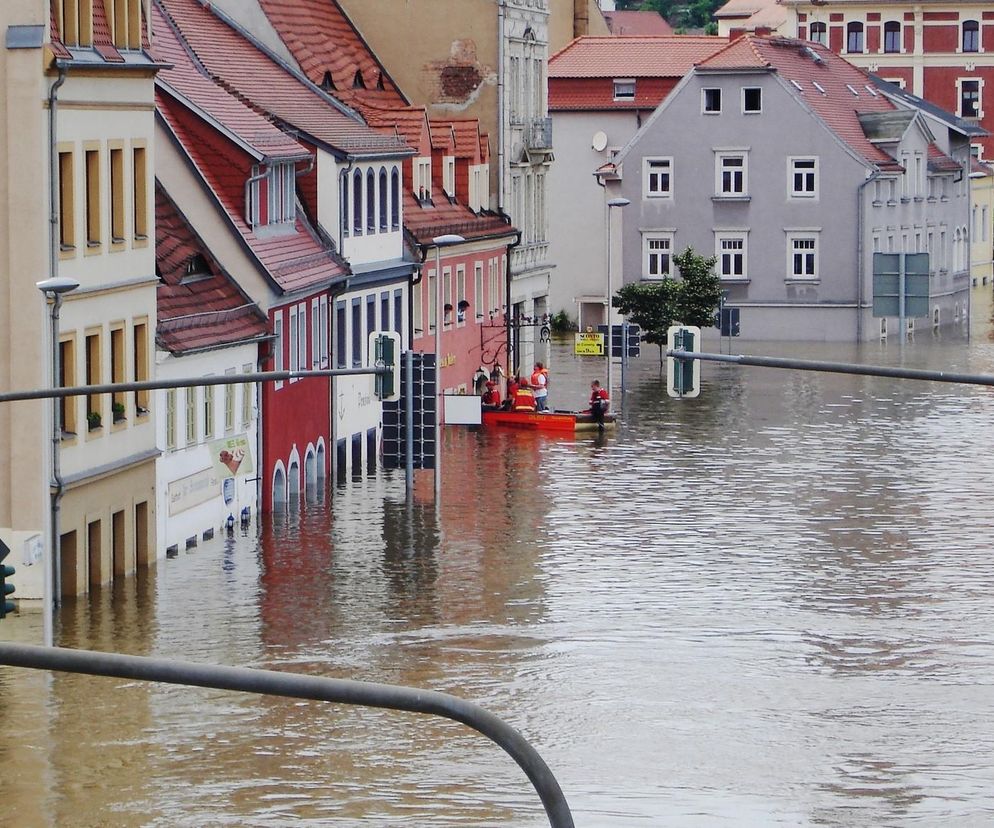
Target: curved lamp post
x,y
54,289
446,240
614,202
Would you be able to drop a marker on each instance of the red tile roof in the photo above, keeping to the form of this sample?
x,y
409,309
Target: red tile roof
x,y
571,94
845,93
186,79
940,162
623,23
324,41
409,123
632,57
244,69
206,311
295,258
425,223
468,138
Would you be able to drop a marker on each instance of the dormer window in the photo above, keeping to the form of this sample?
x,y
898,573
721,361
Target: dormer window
x,y
624,89
125,18
76,22
196,269
328,82
422,180
449,176
272,196
357,81
379,82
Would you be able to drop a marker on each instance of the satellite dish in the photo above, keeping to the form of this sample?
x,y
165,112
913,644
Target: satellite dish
x,y
599,141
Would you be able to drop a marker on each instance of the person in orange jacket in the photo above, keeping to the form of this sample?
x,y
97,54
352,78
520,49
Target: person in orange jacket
x,y
524,398
540,382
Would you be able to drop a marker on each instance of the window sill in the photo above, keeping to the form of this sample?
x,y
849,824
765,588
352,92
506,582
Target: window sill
x,y
877,203
734,280
799,280
919,199
69,438
905,199
891,202
808,197
734,199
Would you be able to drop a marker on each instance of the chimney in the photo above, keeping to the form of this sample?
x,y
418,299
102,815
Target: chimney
x,y
735,33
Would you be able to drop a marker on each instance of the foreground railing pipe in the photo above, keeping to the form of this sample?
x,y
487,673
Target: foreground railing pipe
x,y
298,686
838,367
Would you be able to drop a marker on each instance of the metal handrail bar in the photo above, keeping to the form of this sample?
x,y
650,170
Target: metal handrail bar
x,y
837,367
298,686
184,382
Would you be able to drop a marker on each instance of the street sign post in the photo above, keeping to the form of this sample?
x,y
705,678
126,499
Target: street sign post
x,y
900,286
683,376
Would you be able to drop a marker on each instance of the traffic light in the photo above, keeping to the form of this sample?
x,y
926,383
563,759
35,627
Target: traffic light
x,y
385,348
5,588
683,376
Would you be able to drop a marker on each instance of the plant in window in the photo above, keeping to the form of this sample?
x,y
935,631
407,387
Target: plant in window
x,y
93,420
117,409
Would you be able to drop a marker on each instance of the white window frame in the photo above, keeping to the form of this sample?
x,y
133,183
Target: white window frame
x,y
648,253
720,157
449,173
704,100
478,287
648,191
279,334
793,171
800,235
758,89
980,97
823,31
624,89
302,336
417,308
323,336
739,237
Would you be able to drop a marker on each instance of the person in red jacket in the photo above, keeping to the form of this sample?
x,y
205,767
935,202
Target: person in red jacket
x,y
491,397
599,403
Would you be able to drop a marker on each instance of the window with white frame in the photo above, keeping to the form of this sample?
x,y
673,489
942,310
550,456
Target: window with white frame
x,y
657,255
461,302
478,288
658,178
624,89
971,36
711,101
422,179
278,346
323,325
417,308
294,353
854,37
818,33
752,100
969,98
730,248
803,177
449,176
731,174
802,255
272,198
892,36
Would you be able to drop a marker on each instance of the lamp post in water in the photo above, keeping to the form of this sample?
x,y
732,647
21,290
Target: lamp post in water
x,y
54,289
614,202
446,240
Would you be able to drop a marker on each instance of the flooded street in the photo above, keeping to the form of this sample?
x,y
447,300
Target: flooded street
x,y
769,605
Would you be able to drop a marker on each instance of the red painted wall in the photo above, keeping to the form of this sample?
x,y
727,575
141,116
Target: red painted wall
x,y
940,38
297,414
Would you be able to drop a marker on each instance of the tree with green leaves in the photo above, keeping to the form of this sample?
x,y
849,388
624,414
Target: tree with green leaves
x,y
690,300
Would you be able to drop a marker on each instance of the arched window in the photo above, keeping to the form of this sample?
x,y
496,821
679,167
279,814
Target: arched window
x,y
819,33
971,36
384,195
357,202
344,210
892,36
395,199
370,201
854,37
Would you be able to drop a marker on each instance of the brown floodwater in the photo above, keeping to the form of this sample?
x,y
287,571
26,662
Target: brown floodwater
x,y
769,605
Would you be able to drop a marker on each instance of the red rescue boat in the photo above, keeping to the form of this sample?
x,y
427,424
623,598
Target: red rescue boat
x,y
559,421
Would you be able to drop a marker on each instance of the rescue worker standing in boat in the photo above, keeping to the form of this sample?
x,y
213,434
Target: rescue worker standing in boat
x,y
599,403
540,382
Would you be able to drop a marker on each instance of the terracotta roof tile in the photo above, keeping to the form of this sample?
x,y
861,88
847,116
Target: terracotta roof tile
x,y
632,57
295,258
205,311
425,223
940,162
467,136
251,74
626,23
186,78
845,91
324,42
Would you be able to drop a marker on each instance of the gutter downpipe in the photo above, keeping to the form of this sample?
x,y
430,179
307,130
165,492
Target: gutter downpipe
x,y
53,563
507,299
248,186
860,269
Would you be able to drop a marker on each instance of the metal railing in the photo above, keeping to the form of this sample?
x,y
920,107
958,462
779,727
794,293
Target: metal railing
x,y
315,688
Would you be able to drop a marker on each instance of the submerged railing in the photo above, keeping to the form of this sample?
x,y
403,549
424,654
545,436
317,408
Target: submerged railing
x,y
298,686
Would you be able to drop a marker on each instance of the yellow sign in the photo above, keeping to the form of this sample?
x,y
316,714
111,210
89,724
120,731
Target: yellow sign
x,y
588,344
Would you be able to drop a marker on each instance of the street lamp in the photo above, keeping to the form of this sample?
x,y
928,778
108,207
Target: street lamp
x,y
614,202
54,289
446,240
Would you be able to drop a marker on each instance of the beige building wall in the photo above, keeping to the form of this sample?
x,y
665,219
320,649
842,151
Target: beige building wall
x,y
982,254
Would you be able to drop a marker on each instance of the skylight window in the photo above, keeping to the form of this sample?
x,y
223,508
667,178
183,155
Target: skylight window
x,y
819,87
797,86
871,90
852,89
